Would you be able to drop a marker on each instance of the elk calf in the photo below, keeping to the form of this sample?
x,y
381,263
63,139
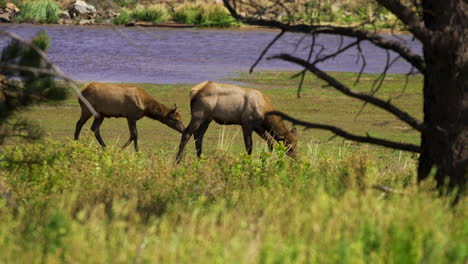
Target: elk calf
x,y
120,100
228,104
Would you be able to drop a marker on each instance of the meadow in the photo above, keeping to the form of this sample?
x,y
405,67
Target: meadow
x,y
63,201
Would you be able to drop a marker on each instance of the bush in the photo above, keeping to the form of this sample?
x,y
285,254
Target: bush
x,y
123,18
188,14
152,14
38,11
216,16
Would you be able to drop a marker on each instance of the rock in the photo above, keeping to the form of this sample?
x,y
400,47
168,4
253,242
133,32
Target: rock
x,y
86,22
10,7
111,14
81,7
64,15
5,17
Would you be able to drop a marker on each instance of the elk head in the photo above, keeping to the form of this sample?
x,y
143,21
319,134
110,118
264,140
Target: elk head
x,y
173,120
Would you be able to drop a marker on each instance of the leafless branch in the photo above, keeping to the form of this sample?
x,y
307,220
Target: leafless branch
x,y
57,72
414,59
266,50
400,114
408,17
342,133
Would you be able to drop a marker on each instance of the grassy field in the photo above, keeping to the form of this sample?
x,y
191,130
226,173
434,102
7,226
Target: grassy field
x,y
318,104
72,202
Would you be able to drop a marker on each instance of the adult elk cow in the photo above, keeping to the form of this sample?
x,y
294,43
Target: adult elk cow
x,y
229,104
120,100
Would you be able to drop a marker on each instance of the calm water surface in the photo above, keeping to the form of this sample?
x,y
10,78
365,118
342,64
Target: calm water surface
x,y
168,56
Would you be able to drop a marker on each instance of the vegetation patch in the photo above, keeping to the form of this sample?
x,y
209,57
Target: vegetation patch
x,y
38,11
150,14
72,200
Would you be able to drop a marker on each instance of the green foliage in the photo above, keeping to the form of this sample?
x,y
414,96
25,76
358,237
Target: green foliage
x,y
43,11
151,14
123,18
126,3
204,15
216,16
188,14
22,89
74,201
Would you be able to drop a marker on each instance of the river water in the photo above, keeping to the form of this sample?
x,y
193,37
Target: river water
x,y
170,56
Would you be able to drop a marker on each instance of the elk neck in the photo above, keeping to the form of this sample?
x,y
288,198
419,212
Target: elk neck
x,y
156,110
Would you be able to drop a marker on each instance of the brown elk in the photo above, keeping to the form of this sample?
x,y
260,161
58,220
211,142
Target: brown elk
x,y
120,100
229,104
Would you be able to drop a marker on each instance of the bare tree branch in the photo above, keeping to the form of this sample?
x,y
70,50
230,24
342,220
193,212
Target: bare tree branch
x,y
402,115
378,40
408,17
266,50
58,73
342,133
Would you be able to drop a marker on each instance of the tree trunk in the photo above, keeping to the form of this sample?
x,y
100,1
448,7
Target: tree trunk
x,y
444,141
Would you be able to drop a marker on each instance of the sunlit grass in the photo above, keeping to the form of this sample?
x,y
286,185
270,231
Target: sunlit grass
x,y
38,11
73,202
150,14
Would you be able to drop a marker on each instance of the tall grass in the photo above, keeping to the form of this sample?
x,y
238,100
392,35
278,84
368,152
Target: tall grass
x,y
203,15
38,11
151,14
188,13
77,203
123,18
216,16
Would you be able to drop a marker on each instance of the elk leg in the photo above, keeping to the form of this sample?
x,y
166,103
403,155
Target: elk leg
x,y
85,116
267,137
186,135
133,134
199,137
95,128
247,130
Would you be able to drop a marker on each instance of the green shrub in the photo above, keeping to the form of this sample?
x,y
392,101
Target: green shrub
x,y
188,14
216,16
38,11
151,14
123,18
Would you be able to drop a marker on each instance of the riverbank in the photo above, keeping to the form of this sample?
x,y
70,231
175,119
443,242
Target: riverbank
x,y
203,14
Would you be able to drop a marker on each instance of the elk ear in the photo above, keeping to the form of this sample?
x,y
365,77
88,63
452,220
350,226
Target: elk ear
x,y
294,131
173,110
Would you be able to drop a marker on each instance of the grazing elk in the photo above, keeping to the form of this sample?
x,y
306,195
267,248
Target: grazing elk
x,y
229,104
120,100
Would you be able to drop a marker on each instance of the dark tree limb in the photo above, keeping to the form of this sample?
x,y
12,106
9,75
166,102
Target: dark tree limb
x,y
342,133
266,50
400,114
379,41
408,17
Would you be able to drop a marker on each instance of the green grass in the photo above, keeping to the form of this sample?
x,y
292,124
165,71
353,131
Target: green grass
x,y
76,203
38,11
188,14
123,18
318,104
204,15
66,201
151,14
